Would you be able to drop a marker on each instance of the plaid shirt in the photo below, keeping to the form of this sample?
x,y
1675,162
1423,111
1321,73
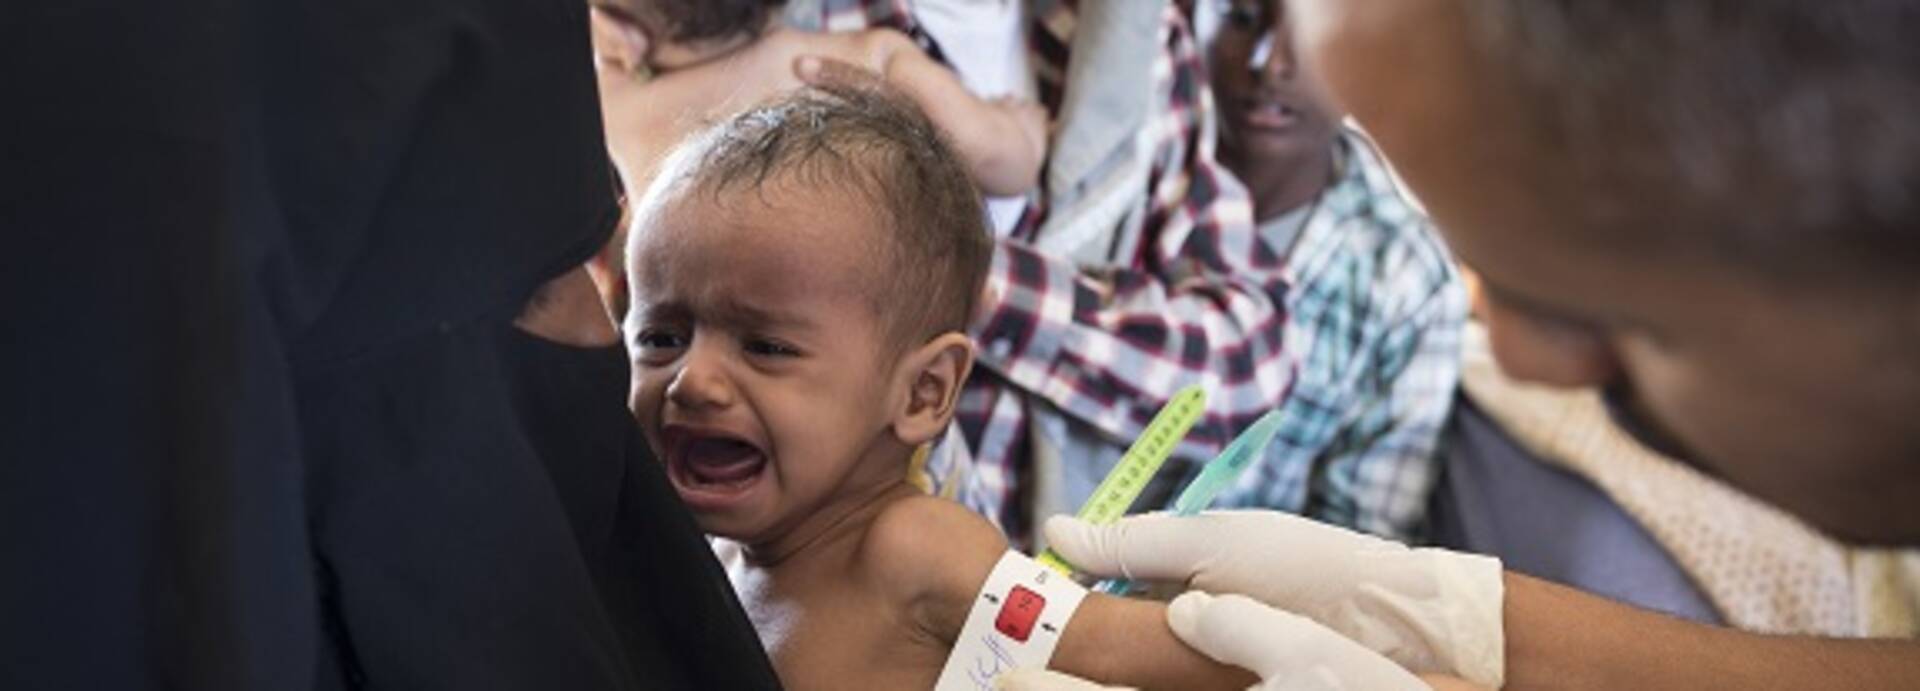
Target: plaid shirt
x,y
1077,358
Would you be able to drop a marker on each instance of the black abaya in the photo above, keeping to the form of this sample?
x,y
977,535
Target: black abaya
x,y
267,425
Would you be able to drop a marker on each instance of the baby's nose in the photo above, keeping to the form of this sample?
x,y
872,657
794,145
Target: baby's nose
x,y
701,383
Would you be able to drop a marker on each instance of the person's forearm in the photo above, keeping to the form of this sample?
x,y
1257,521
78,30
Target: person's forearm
x,y
1561,638
1116,640
1000,156
996,150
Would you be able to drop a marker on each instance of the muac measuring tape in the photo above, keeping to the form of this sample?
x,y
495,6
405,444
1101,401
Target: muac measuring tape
x,y
1116,493
1017,619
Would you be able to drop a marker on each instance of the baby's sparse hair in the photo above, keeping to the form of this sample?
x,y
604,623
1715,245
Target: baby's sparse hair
x,y
874,144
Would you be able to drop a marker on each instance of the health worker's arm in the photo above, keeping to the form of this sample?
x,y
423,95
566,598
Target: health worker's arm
x,y
1441,612
1561,638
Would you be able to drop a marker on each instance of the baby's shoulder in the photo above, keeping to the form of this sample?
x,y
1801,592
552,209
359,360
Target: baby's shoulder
x,y
929,528
930,553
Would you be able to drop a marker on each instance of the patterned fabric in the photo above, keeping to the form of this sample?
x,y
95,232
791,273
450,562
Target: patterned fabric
x,y
1762,568
1370,310
1076,357
1375,318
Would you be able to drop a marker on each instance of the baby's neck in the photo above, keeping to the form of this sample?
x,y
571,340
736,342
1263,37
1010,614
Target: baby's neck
x,y
834,530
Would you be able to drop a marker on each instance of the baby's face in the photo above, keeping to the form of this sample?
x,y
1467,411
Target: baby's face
x,y
758,372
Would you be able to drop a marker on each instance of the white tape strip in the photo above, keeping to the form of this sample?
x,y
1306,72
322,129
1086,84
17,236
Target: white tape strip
x,y
1015,623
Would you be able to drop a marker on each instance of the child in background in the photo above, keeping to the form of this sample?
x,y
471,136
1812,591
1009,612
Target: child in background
x,y
671,67
801,277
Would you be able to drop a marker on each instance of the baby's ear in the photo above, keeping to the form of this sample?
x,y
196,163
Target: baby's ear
x,y
933,375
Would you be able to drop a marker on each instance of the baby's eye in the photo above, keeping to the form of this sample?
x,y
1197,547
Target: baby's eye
x,y
771,348
660,339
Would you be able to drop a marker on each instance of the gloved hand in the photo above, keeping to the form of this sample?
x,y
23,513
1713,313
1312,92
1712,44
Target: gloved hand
x,y
1430,610
1287,651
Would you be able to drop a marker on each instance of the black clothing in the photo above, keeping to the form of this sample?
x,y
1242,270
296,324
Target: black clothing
x,y
266,422
1495,497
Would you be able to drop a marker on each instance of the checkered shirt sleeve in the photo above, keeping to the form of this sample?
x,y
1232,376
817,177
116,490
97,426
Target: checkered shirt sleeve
x,y
1202,301
1376,318
1368,305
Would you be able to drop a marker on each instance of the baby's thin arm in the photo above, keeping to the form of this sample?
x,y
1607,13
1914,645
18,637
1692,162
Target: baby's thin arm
x,y
1125,641
936,555
1003,142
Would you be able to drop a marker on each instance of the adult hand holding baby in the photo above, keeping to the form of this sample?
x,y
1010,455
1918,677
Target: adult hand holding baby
x,y
1004,139
1429,610
824,71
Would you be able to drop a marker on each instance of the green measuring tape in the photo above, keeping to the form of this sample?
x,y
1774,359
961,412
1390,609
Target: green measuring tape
x,y
1123,484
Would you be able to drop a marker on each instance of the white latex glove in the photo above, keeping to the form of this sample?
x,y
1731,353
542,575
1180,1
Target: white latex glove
x,y
1430,610
1287,651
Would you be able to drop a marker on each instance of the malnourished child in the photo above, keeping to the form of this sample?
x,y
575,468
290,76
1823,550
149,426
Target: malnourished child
x,y
801,277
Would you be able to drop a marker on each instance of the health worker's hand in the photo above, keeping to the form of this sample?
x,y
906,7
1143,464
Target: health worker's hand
x,y
1287,651
1430,610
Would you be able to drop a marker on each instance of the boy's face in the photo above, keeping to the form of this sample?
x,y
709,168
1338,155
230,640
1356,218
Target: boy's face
x,y
1273,114
1800,394
760,376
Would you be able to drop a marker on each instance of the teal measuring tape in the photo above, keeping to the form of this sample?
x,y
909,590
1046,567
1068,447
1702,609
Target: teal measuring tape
x,y
1221,472
1123,484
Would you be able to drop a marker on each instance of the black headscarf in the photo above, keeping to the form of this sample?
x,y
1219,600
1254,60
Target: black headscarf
x,y
266,422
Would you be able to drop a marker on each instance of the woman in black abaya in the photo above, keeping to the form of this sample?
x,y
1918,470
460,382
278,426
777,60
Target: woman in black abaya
x,y
278,414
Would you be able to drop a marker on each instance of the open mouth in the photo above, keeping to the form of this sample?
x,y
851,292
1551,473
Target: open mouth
x,y
712,470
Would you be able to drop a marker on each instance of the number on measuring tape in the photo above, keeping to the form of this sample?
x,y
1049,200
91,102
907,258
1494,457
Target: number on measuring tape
x,y
1137,466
